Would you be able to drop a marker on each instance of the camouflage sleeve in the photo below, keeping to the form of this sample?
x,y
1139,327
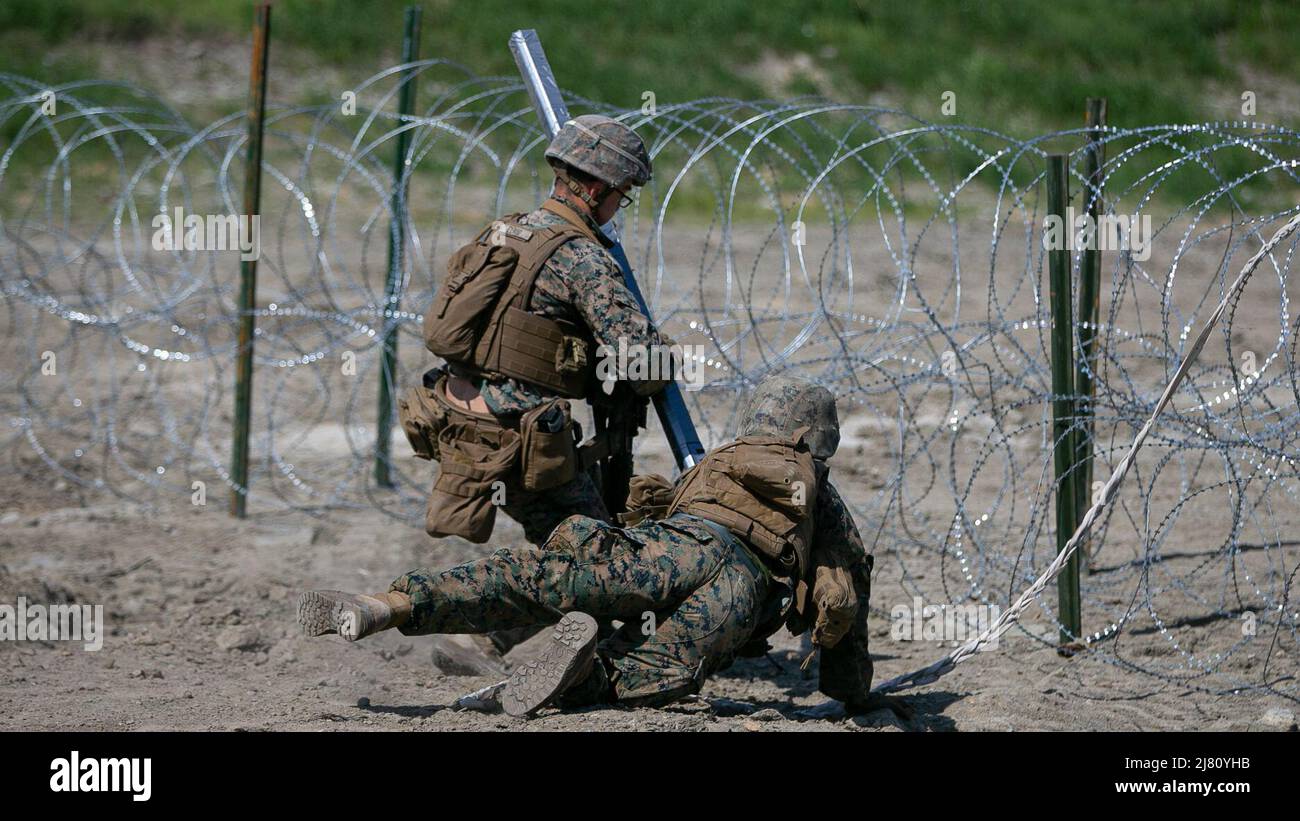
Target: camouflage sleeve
x,y
597,291
846,669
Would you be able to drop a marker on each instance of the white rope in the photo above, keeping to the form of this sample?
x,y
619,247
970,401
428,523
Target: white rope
x,y
933,672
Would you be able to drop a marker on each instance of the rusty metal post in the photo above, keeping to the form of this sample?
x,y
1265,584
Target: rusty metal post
x,y
248,267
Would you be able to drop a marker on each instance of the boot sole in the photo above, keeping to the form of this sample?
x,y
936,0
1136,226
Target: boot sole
x,y
535,684
321,612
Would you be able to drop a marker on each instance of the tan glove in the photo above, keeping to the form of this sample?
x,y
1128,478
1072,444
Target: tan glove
x,y
835,603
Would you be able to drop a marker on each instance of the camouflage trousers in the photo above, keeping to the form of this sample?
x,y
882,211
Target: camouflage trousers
x,y
687,599
539,513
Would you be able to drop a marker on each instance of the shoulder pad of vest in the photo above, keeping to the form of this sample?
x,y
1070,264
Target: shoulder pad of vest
x,y
510,229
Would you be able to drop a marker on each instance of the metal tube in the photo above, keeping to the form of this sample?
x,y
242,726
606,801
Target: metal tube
x,y
538,79
535,70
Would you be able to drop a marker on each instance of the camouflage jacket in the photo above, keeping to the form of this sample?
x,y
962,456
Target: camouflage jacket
x,y
580,283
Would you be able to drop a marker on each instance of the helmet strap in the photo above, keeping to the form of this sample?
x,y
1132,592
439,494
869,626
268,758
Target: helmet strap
x,y
578,191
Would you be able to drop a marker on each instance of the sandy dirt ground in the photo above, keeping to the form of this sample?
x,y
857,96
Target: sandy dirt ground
x,y
199,613
199,607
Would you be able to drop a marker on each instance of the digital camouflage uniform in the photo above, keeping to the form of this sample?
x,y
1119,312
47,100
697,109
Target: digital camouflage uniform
x,y
691,597
697,595
583,284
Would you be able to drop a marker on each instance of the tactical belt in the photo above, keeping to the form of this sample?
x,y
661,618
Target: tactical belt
x,y
589,452
727,537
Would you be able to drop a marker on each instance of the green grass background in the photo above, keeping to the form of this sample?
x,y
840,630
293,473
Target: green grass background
x,y
1018,67
1031,62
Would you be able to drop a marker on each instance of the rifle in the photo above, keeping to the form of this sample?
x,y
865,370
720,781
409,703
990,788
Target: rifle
x,y
620,419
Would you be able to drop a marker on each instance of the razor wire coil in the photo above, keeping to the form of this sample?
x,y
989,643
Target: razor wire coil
x,y
897,261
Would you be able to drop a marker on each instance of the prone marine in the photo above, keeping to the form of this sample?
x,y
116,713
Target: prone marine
x,y
753,538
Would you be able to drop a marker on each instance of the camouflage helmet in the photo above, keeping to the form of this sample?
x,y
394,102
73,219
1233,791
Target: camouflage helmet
x,y
780,405
602,147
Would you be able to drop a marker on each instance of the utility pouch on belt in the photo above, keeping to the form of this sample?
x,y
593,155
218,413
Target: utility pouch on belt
x,y
648,497
548,448
473,457
423,417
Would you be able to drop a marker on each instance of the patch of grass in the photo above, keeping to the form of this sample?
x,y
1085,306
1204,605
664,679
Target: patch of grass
x,y
1013,66
1154,60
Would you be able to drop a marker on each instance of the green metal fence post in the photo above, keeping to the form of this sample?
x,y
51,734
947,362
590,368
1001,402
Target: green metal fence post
x,y
1062,354
1089,311
248,267
396,249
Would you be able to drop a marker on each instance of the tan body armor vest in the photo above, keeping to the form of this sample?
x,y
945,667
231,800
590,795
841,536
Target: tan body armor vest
x,y
761,488
480,320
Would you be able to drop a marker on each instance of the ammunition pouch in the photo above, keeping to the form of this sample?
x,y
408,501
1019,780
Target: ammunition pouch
x,y
571,355
538,452
549,448
476,461
423,416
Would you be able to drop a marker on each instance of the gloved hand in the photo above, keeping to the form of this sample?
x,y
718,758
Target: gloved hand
x,y
836,605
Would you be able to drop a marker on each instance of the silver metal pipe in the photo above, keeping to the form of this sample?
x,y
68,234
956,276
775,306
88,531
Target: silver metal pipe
x,y
539,80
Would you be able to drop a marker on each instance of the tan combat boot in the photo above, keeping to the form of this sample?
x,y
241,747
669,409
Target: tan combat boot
x,y
566,660
351,615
